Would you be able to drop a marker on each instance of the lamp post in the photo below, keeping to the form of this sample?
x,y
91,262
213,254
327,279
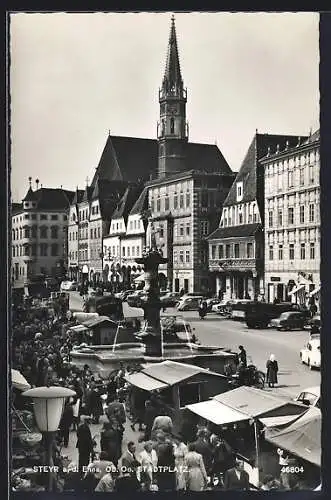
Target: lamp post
x,y
48,405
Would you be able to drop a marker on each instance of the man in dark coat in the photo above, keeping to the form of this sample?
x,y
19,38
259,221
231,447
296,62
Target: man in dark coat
x,y
84,445
242,356
203,447
116,409
150,413
236,478
66,422
166,477
96,404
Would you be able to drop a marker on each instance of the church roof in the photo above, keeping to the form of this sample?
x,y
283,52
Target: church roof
x,y
141,204
248,171
127,201
109,195
172,74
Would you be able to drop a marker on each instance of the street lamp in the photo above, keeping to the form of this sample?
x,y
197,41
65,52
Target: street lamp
x,y
48,405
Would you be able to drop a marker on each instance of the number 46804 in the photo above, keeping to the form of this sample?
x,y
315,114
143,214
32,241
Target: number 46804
x,y
290,469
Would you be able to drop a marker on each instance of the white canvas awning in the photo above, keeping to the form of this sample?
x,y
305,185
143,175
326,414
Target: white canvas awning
x,y
296,289
216,412
316,290
145,382
278,421
140,278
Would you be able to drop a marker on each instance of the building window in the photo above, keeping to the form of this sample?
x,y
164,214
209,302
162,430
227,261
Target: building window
x,y
99,232
291,251
188,229
188,200
239,191
55,250
227,251
65,217
175,257
26,216
95,232
26,232
280,217
172,125
312,251
128,251
43,217
236,251
43,232
158,205
181,200
302,177
270,218
187,256
240,218
302,251
161,232
204,199
181,256
54,232
291,215
34,216
311,174
220,252
302,214
91,234
54,217
43,249
311,213
123,251
175,201
181,230
204,227
280,252
213,251
271,252
166,202
26,250
249,250
290,178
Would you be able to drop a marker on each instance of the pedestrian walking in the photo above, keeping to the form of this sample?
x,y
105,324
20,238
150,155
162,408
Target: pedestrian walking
x,y
195,471
242,356
66,422
272,370
84,445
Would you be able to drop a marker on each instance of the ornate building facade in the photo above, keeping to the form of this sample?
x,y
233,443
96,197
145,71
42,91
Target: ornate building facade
x,y
39,234
292,221
236,248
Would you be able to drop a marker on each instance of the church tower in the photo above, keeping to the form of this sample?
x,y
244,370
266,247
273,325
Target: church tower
x,y
172,129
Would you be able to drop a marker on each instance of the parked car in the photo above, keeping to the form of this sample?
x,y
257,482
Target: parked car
x,y
135,299
223,307
311,353
259,314
189,303
310,397
314,321
290,320
170,299
68,286
212,302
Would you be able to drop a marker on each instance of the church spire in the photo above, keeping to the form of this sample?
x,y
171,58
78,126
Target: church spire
x,y
172,75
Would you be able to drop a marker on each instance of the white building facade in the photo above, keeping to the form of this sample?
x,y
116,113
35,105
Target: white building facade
x,y
292,222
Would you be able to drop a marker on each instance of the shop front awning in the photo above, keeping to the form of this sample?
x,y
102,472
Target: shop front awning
x,y
215,412
316,290
278,421
143,381
78,329
140,278
296,289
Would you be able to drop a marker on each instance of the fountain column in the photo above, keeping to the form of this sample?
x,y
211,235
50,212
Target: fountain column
x,y
150,334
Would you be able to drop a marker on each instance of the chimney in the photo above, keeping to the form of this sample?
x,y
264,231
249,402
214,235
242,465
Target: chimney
x,y
299,141
287,145
37,184
277,149
269,151
30,180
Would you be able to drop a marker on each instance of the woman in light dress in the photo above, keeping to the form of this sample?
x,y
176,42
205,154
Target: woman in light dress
x,y
195,472
180,452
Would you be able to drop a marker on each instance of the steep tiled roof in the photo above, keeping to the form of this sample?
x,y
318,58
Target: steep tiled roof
x,y
127,201
132,159
16,208
109,194
141,204
172,75
234,231
30,195
79,193
87,194
248,171
53,199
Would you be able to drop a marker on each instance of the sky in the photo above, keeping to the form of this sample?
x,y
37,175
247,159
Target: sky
x,y
75,77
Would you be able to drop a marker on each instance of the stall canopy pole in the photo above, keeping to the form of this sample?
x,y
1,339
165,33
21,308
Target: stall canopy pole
x,y
257,452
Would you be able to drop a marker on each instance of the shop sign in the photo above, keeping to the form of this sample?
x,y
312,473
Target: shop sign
x,y
275,278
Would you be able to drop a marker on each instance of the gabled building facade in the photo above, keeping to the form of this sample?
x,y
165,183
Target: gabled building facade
x,y
236,248
292,221
73,242
39,234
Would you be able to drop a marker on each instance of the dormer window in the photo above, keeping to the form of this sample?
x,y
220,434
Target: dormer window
x,y
172,125
239,191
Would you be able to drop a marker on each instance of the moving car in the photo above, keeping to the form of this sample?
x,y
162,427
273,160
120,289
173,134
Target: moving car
x,y
311,353
189,303
289,321
68,286
310,397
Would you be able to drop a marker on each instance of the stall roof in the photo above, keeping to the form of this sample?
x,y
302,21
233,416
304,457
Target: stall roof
x,y
255,402
216,413
302,438
145,382
172,372
92,322
19,381
78,328
279,421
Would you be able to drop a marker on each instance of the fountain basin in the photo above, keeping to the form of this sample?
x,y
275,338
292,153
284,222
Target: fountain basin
x,y
103,359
